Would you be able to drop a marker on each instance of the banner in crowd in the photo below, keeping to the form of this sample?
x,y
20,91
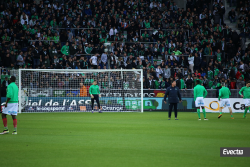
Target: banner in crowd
x,y
72,93
212,105
59,93
39,92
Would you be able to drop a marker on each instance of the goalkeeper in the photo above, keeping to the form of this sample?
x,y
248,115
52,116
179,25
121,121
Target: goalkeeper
x,y
94,92
246,96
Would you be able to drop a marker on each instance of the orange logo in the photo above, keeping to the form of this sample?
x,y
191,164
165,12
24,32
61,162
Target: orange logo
x,y
82,108
214,109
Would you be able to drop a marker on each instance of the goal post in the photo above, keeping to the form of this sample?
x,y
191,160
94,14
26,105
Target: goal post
x,y
67,90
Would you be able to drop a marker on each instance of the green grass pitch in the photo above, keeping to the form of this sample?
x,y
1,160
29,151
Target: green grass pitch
x,y
123,140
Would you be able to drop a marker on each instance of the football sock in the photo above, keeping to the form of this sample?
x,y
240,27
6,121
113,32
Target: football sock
x,y
221,113
204,112
15,124
231,115
198,112
245,111
5,124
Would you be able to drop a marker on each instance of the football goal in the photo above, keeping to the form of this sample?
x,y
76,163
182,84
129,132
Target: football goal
x,y
67,90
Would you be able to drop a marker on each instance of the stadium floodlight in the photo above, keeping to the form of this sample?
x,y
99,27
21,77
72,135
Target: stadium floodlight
x,y
67,90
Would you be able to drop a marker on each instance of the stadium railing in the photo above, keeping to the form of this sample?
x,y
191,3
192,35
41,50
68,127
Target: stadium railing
x,y
76,28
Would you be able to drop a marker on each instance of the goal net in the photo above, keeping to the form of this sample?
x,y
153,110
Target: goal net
x,y
55,90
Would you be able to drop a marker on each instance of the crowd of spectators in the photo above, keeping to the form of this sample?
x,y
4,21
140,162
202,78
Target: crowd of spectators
x,y
167,42
240,15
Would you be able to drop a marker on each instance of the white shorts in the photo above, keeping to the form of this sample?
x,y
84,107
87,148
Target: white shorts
x,y
247,102
11,109
199,102
225,103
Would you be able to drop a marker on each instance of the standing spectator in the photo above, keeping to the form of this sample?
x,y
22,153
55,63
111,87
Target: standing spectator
x,y
47,61
20,59
178,82
7,61
197,62
237,58
145,83
232,16
24,20
166,72
222,12
205,82
191,62
88,49
208,49
93,61
65,49
150,58
129,65
189,83
151,83
240,83
85,64
158,71
36,57
104,59
88,11
113,61
70,36
73,49
83,90
112,32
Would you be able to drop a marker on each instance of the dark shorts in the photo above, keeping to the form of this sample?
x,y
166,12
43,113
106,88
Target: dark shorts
x,y
96,97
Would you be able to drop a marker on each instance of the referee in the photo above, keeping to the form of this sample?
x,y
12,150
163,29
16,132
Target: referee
x,y
174,97
94,92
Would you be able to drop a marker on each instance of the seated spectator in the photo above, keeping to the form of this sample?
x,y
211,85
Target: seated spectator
x,y
240,83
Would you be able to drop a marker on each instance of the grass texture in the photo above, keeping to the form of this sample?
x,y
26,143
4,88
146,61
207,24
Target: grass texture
x,y
123,140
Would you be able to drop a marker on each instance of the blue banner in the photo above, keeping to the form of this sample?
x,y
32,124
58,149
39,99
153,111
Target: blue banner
x,y
61,104
86,108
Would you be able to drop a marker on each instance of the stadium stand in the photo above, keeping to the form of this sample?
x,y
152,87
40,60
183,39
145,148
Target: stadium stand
x,y
167,42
